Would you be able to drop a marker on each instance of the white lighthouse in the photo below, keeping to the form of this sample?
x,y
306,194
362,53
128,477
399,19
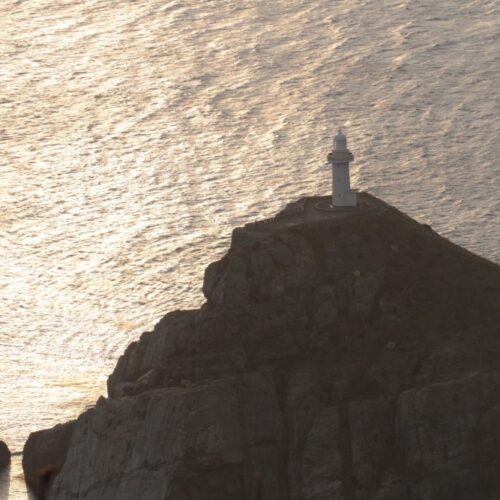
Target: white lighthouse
x,y
339,158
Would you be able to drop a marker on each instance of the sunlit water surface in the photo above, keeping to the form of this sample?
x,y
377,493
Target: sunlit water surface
x,y
135,135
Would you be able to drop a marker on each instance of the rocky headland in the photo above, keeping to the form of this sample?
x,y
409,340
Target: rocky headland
x,y
340,355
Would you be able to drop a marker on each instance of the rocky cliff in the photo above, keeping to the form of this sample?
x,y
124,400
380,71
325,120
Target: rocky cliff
x,y
343,355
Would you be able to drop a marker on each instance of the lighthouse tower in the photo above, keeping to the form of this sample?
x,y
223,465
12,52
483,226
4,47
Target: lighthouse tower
x,y
339,158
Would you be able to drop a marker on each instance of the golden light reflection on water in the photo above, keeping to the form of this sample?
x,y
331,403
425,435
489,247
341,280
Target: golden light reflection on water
x,y
135,135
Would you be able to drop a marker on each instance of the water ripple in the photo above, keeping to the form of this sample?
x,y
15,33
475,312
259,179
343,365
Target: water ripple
x,y
135,135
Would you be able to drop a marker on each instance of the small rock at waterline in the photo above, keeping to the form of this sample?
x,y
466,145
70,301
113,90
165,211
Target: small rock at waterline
x,y
4,455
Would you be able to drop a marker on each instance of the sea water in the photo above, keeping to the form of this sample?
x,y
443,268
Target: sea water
x,y
134,135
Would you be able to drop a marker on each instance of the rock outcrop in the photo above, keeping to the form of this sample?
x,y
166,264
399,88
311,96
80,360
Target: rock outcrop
x,y
44,455
341,355
4,455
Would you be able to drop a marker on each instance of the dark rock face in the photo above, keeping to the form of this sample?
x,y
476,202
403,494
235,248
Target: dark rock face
x,y
44,455
349,355
4,455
